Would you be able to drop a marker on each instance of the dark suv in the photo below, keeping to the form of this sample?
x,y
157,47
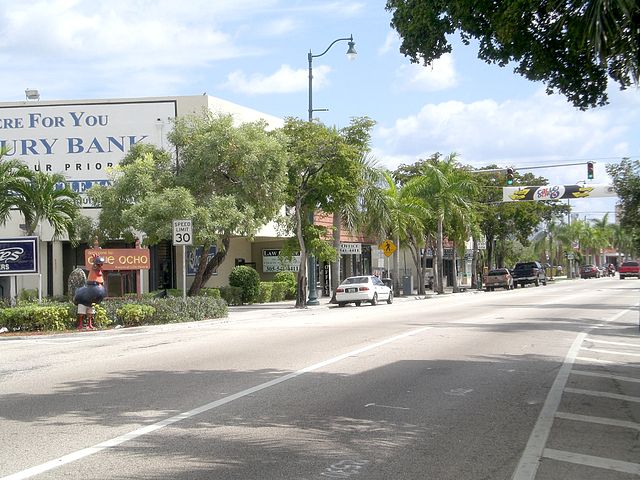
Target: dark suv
x,y
529,272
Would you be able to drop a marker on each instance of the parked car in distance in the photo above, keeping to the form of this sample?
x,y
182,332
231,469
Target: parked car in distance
x,y
363,288
629,269
498,277
528,272
589,271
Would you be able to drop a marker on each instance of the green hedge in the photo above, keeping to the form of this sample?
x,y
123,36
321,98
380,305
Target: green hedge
x,y
231,295
290,279
248,280
127,311
266,290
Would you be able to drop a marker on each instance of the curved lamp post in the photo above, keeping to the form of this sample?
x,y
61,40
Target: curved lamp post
x,y
351,55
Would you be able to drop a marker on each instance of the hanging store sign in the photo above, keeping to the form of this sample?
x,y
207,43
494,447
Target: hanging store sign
x,y
119,258
18,256
272,262
350,249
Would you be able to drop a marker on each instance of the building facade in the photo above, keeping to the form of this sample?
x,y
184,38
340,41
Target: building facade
x,y
83,139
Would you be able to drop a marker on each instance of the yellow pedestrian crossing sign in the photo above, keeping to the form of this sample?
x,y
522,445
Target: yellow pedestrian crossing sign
x,y
387,247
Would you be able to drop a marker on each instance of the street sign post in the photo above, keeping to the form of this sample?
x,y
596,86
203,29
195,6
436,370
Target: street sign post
x,y
183,235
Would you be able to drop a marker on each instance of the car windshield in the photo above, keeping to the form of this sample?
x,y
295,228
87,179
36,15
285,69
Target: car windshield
x,y
352,280
630,264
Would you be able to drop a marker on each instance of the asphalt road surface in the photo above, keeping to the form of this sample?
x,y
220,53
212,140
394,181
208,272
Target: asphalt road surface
x,y
537,383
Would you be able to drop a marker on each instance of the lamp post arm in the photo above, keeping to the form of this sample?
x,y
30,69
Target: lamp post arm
x,y
346,39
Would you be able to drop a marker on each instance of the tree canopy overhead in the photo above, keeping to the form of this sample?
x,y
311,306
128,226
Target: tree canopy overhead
x,y
573,46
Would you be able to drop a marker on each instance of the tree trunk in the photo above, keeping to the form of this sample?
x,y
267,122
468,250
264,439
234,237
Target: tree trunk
x,y
335,266
456,288
207,269
396,268
301,294
440,255
474,264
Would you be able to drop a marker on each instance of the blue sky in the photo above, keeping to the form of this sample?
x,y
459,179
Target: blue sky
x,y
254,53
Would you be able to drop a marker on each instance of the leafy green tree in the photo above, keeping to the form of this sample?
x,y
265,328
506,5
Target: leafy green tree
x,y
46,197
573,47
228,179
626,181
325,172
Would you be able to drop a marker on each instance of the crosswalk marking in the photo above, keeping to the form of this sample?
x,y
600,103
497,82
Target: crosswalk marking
x,y
605,375
592,461
599,420
595,393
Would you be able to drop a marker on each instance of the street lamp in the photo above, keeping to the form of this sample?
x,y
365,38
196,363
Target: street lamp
x,y
351,55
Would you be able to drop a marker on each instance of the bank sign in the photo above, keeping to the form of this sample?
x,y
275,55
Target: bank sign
x,y
84,141
18,256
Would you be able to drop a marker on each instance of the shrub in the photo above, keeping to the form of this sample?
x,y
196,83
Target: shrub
x,y
266,290
290,279
36,317
231,295
132,315
248,280
279,291
210,292
28,296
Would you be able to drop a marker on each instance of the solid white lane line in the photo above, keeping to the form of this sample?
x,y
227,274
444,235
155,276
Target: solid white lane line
x,y
623,344
595,393
612,352
530,460
599,420
592,461
85,452
605,375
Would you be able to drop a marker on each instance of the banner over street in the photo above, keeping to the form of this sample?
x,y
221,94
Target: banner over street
x,y
556,192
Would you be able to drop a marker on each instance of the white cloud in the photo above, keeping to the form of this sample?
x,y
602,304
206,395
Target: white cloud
x,y
391,42
440,75
537,130
285,80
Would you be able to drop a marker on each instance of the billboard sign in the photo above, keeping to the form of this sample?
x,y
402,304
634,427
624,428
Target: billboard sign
x,y
19,256
82,141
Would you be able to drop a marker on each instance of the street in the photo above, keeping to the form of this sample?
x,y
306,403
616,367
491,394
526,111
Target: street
x,y
535,383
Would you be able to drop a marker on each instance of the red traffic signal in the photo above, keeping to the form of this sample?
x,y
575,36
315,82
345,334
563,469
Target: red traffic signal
x,y
590,170
509,176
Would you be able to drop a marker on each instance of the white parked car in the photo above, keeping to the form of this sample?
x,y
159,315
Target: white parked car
x,y
363,288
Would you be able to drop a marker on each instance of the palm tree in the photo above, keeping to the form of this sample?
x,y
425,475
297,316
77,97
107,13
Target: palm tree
x,y
449,190
13,174
46,197
354,215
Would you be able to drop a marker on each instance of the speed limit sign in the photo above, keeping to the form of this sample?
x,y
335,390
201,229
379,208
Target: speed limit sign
x,y
182,232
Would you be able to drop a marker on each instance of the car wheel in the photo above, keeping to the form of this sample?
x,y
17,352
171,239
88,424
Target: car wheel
x,y
544,282
621,277
341,304
374,300
390,299
358,303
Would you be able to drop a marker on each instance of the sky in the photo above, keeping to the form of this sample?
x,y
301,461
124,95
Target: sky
x,y
254,53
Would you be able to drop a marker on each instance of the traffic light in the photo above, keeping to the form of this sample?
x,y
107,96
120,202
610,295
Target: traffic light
x,y
509,176
590,170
